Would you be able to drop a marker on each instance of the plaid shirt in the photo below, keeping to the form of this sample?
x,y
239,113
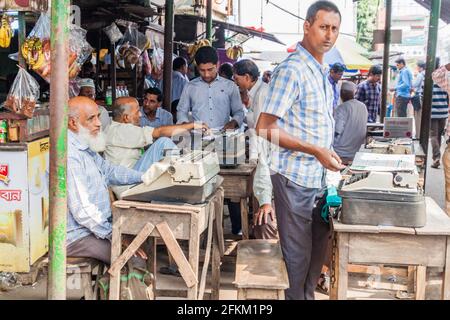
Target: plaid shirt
x,y
370,94
302,97
88,177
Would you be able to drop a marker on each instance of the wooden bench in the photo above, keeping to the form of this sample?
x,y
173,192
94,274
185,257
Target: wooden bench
x,y
261,273
83,267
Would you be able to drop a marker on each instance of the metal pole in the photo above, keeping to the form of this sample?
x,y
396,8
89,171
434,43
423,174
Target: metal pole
x,y
113,74
387,44
22,36
59,88
239,12
168,52
428,83
209,20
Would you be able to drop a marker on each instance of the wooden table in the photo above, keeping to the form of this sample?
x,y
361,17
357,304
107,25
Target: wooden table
x,y
170,222
238,187
422,247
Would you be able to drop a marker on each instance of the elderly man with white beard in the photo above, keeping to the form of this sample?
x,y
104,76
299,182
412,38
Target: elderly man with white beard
x,y
89,226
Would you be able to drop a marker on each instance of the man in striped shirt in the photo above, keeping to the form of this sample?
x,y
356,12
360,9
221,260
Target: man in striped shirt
x,y
298,116
369,93
439,115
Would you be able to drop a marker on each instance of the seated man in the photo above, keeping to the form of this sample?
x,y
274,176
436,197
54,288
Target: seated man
x,y
125,140
89,226
87,89
153,115
351,123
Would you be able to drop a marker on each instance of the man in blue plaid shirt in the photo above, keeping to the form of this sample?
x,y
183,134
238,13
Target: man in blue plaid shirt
x,y
369,93
89,226
298,116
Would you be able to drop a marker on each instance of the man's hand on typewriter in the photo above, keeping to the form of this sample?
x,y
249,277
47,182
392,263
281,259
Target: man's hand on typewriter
x,y
329,159
231,125
200,126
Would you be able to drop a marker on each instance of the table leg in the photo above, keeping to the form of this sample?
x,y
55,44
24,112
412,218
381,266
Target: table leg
x,y
151,262
244,219
421,282
446,274
215,277
340,264
194,253
116,248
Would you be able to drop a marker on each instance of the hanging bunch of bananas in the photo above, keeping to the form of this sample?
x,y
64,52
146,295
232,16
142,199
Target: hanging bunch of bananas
x,y
235,52
6,32
192,49
32,52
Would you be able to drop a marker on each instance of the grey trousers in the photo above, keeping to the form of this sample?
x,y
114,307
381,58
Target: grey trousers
x,y
303,235
91,247
401,106
99,249
437,130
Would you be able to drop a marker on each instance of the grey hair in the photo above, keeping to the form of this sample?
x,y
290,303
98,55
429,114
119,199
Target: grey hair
x,y
121,109
74,112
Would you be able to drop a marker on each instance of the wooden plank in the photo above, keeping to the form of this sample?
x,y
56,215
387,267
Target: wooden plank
x,y
397,249
208,252
219,222
134,219
215,270
384,271
194,248
245,169
142,236
158,207
446,274
412,271
260,265
340,227
438,223
116,248
185,269
86,282
261,294
235,187
244,218
421,282
341,266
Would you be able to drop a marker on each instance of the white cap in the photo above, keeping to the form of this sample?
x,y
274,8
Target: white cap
x,y
87,82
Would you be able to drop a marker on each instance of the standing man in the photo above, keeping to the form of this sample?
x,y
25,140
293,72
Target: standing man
x,y
216,102
403,88
439,115
350,128
179,79
336,73
369,93
246,75
441,77
416,100
152,113
298,116
211,99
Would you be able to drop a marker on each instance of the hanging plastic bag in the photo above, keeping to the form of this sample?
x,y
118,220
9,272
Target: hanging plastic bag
x,y
131,47
23,94
113,33
36,48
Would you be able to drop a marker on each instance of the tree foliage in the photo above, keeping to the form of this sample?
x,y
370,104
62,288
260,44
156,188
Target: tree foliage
x,y
366,21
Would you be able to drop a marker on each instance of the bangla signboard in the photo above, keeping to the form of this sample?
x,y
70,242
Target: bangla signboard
x,y
24,5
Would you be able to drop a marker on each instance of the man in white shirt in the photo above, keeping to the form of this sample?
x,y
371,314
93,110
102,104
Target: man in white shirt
x,y
246,76
126,140
87,89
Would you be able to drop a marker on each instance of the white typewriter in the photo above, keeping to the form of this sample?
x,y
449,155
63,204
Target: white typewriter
x,y
187,178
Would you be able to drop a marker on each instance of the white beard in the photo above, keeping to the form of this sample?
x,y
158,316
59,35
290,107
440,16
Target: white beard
x,y
96,143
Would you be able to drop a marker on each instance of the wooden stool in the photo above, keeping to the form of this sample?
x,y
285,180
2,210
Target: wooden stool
x,y
261,273
84,267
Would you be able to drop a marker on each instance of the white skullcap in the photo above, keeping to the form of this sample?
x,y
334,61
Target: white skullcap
x,y
348,86
87,82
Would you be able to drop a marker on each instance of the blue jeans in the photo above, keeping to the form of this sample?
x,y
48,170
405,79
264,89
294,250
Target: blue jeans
x,y
154,154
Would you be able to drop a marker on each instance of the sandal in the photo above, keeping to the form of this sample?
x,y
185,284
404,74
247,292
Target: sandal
x,y
170,270
323,284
